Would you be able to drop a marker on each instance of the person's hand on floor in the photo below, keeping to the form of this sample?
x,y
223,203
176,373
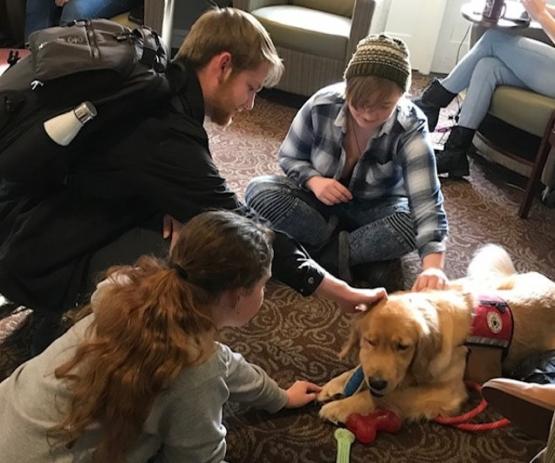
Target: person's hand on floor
x,y
328,190
301,393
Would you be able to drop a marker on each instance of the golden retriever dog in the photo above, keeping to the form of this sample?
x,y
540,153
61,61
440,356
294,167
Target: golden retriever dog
x,y
411,346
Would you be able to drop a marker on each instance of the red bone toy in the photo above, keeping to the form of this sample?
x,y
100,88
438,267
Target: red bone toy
x,y
365,427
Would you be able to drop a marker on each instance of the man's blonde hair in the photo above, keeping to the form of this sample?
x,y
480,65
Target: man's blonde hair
x,y
237,32
367,91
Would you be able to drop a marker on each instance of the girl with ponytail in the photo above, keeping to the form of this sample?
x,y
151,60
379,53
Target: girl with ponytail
x,y
141,377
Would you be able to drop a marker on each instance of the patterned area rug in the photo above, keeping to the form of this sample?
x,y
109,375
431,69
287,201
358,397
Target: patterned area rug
x,y
295,337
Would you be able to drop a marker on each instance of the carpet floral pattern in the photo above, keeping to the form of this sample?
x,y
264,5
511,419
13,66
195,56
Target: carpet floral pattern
x,y
295,337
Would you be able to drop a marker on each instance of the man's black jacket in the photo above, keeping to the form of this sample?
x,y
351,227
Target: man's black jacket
x,y
148,166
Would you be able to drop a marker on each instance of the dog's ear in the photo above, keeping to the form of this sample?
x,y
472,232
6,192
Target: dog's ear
x,y
428,347
353,342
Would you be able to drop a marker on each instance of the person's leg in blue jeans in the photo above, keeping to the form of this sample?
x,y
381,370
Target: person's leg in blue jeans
x,y
89,9
40,14
44,13
369,232
378,230
380,233
299,214
496,59
291,210
488,74
529,60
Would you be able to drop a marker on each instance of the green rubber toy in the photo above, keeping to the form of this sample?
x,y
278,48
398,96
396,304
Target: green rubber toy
x,y
344,439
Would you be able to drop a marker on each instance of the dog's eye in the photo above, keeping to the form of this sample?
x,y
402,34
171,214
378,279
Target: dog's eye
x,y
401,347
370,342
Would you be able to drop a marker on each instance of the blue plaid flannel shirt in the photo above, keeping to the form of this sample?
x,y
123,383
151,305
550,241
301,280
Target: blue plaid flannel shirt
x,y
398,161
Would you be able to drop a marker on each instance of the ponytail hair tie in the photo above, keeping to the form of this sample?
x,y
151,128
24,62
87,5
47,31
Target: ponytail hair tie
x,y
180,271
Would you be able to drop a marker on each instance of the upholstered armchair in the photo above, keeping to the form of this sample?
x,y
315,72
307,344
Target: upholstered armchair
x,y
518,130
315,38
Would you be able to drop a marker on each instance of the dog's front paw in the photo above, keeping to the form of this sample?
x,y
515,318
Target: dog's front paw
x,y
331,390
334,388
337,411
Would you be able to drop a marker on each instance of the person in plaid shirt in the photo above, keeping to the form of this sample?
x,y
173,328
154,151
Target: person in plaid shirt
x,y
361,188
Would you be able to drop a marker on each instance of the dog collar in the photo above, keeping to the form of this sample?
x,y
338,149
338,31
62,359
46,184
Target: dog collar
x,y
492,323
355,383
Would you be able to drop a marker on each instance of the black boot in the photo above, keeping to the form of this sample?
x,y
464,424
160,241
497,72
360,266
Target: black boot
x,y
387,274
335,257
452,160
46,327
434,97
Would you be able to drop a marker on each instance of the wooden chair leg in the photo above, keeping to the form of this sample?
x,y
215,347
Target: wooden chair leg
x,y
539,164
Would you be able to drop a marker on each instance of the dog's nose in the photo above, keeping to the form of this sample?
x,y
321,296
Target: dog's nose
x,y
377,384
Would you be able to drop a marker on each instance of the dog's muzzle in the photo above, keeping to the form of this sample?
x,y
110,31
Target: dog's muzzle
x,y
377,386
357,381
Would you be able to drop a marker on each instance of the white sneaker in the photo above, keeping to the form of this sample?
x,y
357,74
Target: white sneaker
x,y
528,406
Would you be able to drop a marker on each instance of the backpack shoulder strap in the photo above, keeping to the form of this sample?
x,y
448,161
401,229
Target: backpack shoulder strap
x,y
154,54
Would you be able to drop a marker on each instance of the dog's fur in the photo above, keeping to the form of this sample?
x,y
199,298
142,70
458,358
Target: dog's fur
x,y
415,341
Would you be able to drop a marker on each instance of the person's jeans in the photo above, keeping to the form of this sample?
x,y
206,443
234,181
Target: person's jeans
x,y
44,13
500,59
378,230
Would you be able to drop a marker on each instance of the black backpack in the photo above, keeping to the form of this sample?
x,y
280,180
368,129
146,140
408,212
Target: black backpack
x,y
119,70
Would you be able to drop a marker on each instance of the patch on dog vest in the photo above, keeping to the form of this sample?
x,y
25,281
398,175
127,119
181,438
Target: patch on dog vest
x,y
492,323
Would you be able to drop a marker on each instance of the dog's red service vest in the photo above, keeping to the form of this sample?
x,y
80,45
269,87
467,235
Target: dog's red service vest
x,y
492,323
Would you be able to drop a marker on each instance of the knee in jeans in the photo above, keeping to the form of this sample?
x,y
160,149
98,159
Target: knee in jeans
x,y
488,66
288,212
263,183
497,35
403,224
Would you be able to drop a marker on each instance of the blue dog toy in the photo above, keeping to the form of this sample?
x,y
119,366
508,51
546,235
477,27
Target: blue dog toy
x,y
355,383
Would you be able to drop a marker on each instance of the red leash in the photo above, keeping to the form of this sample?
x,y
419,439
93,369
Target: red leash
x,y
462,422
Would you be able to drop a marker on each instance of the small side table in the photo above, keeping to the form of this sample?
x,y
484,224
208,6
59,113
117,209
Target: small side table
x,y
473,12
